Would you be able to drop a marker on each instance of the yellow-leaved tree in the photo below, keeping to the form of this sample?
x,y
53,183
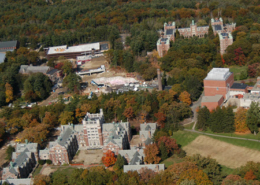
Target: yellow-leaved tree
x,y
240,120
9,96
185,97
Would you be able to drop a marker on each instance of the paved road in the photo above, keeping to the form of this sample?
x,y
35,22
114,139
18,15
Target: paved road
x,y
194,106
240,138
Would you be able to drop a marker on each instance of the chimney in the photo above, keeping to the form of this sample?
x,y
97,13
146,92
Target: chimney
x,y
159,80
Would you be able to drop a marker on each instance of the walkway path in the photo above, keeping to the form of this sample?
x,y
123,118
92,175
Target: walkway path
x,y
221,135
194,107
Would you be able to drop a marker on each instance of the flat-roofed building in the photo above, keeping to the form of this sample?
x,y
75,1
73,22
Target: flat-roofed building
x,y
155,167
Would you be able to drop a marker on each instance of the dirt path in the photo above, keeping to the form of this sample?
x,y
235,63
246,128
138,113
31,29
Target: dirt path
x,y
226,154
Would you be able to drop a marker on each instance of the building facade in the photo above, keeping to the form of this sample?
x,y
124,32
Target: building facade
x,y
218,27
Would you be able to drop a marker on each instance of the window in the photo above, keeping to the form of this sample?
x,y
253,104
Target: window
x,y
217,88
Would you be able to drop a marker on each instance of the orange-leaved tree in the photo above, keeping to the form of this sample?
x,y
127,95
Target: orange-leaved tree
x,y
250,175
109,159
129,113
8,92
185,97
151,154
170,144
160,118
197,175
240,120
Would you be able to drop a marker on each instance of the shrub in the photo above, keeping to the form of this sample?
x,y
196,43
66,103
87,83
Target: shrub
x,y
41,162
48,161
182,154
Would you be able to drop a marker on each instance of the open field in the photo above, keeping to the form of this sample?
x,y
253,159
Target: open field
x,y
184,138
88,157
171,160
226,154
237,70
37,170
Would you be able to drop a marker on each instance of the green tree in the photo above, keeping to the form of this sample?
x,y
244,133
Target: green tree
x,y
9,153
211,33
72,81
177,34
163,151
229,125
253,117
67,67
120,162
203,118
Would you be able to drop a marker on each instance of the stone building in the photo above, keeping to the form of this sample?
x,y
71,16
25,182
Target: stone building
x,y
135,156
31,147
20,166
218,27
145,135
64,148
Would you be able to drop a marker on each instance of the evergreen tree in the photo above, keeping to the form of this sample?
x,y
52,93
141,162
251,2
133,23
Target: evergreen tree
x,y
120,162
229,121
163,151
164,82
203,118
253,117
211,33
216,120
177,34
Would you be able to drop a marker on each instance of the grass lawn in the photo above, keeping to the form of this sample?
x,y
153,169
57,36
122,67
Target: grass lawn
x,y
184,138
171,160
189,126
244,143
64,171
226,170
37,170
237,70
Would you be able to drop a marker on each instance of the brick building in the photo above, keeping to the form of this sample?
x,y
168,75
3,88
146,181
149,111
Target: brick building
x,y
218,27
93,133
64,148
31,147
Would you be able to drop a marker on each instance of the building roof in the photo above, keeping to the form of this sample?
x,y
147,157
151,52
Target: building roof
x,y
139,167
45,151
73,49
2,57
218,74
34,69
7,46
215,98
147,126
225,35
217,27
52,71
26,181
169,31
166,40
238,86
135,156
65,137
32,147
104,46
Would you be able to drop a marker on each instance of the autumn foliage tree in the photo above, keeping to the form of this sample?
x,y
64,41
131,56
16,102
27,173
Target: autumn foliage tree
x,y
160,118
240,120
66,117
170,144
197,175
185,97
109,159
250,175
129,113
239,57
151,152
8,92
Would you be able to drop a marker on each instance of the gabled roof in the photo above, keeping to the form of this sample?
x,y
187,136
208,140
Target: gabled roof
x,y
7,46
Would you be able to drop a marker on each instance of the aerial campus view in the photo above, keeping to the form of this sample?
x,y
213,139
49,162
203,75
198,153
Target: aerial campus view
x,y
130,92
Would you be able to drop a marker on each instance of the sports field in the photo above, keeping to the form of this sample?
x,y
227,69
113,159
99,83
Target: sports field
x,y
226,154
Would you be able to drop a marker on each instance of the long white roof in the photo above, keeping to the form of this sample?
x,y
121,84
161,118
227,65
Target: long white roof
x,y
73,49
218,74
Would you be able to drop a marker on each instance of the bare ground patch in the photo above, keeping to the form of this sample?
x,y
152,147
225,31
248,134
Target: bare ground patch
x,y
48,170
88,157
226,154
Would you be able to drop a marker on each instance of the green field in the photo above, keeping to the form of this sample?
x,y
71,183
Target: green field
x,y
171,160
189,126
184,138
237,70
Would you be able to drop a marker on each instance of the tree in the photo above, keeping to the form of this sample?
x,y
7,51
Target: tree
x,y
151,152
120,162
203,118
160,119
72,81
67,67
66,117
177,34
240,120
158,134
41,180
109,159
146,174
253,117
50,119
239,57
250,175
170,144
8,92
163,151
9,153
229,120
185,97
210,32
194,174
36,134
129,113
